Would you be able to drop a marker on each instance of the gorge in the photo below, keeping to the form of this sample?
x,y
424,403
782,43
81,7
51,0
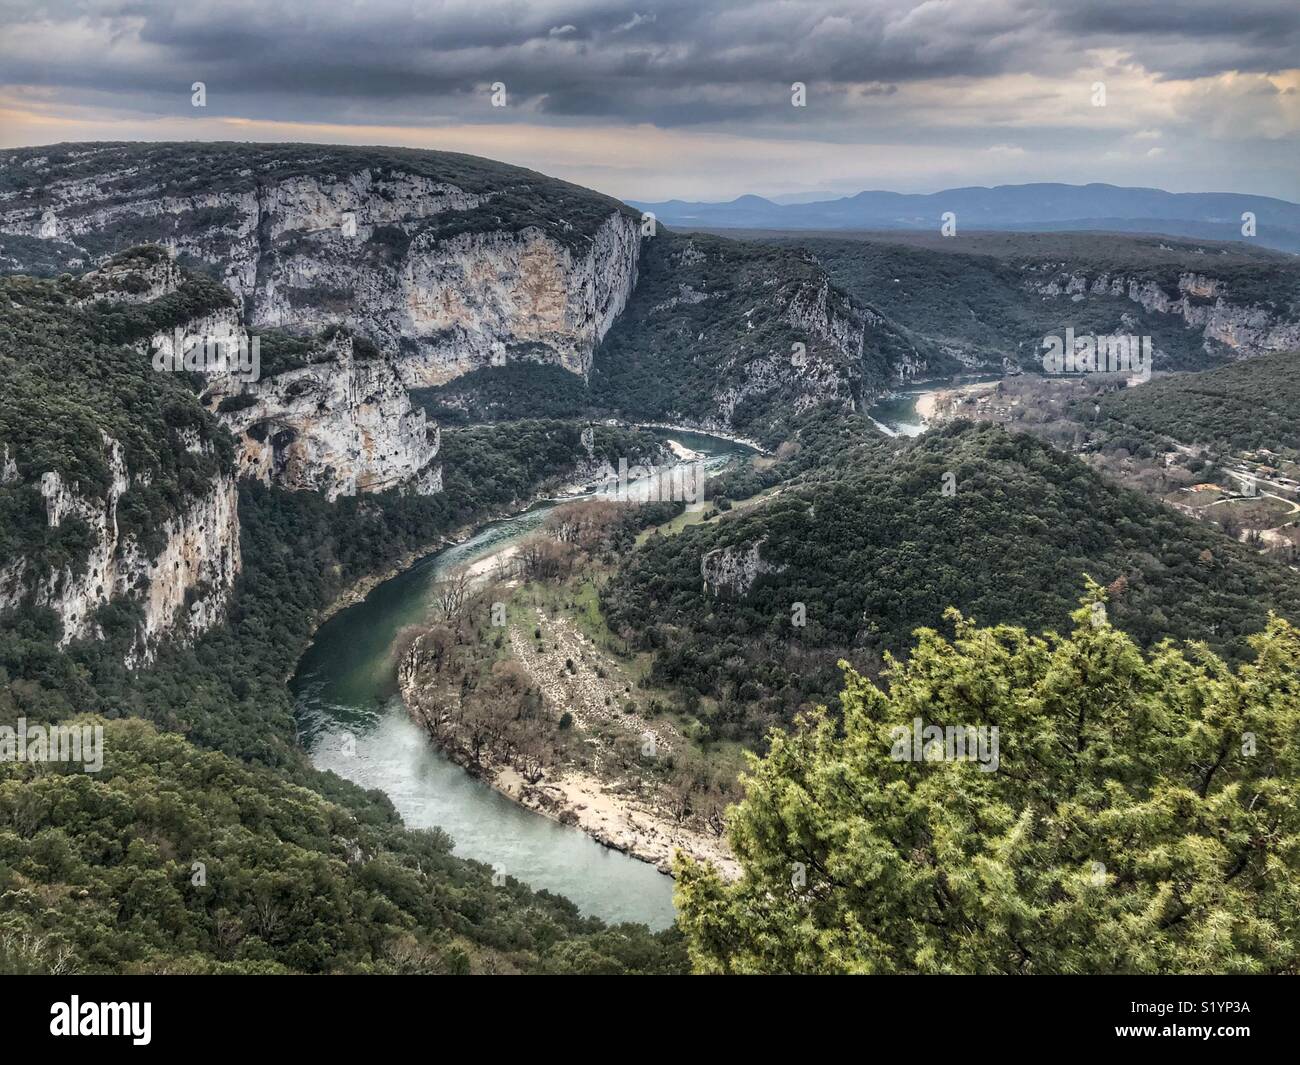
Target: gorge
x,y
444,345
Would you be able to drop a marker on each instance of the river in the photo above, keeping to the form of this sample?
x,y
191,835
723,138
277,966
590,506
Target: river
x,y
896,413
353,722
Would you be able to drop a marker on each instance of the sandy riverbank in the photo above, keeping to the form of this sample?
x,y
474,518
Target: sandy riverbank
x,y
615,820
610,809
930,405
607,810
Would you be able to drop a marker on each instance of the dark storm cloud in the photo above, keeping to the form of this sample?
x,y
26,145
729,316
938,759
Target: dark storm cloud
x,y
673,63
1190,38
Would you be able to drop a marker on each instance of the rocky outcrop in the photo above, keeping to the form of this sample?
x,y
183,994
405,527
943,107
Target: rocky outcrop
x,y
139,278
435,273
1204,303
487,299
744,338
822,312
732,571
342,425
182,589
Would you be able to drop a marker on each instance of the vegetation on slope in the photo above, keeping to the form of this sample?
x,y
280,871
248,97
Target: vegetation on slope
x,y
74,370
711,316
708,338
1142,818
511,392
971,293
177,860
1242,406
873,549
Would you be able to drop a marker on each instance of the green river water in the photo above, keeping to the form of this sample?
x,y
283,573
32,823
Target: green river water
x,y
353,722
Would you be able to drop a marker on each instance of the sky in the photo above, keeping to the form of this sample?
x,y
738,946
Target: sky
x,y
693,99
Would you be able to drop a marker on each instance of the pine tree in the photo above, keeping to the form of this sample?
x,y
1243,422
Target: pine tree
x,y
1142,817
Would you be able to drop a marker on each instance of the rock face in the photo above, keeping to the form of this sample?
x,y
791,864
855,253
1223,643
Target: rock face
x,y
343,425
827,369
339,421
739,338
182,589
1227,325
135,279
732,571
450,277
449,264
487,299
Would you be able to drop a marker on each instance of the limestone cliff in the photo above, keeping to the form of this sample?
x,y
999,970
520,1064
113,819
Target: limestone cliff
x,y
338,419
732,571
182,589
122,480
1227,324
342,424
437,258
487,299
450,264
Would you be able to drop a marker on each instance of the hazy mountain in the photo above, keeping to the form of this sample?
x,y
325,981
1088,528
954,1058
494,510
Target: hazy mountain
x,y
1206,215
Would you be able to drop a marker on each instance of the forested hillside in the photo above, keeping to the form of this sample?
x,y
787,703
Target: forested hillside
x,y
710,333
872,548
718,333
173,859
1124,813
1245,406
989,296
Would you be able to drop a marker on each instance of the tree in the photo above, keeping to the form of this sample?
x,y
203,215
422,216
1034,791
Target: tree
x,y
1142,817
450,593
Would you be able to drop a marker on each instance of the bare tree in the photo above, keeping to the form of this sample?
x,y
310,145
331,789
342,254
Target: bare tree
x,y
450,593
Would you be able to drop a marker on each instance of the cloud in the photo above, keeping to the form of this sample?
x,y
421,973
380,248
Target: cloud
x,y
964,76
595,57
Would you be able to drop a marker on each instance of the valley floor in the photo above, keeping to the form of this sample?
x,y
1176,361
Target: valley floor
x,y
618,766
595,778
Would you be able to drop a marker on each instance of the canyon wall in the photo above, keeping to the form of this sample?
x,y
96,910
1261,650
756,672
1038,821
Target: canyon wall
x,y
182,589
448,278
1228,325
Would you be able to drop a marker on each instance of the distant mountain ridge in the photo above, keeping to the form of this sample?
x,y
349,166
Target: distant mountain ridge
x,y
1205,215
